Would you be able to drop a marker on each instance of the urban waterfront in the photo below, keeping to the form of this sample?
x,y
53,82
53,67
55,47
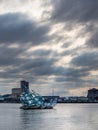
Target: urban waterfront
x,y
62,117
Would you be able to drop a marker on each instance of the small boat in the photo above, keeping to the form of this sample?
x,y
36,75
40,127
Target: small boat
x,y
34,107
32,100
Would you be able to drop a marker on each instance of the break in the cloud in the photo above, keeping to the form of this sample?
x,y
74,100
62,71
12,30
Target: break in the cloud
x,y
52,44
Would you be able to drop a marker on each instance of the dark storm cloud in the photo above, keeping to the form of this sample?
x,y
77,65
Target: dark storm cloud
x,y
93,40
18,28
76,73
11,56
72,75
66,74
62,79
38,63
15,67
87,60
53,70
75,10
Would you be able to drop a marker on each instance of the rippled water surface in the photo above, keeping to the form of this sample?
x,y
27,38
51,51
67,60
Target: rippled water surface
x,y
62,117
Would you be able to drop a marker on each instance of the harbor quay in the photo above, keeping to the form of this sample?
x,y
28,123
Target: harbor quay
x,y
14,97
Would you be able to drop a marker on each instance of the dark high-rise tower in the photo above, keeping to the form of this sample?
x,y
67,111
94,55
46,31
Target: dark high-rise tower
x,y
92,93
24,85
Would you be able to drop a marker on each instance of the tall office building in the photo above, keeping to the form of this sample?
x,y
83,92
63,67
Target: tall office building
x,y
92,93
24,84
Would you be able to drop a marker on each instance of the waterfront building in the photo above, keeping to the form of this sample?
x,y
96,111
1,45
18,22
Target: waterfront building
x,y
92,94
24,83
16,92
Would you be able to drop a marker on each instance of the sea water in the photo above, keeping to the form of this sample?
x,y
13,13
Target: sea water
x,y
62,117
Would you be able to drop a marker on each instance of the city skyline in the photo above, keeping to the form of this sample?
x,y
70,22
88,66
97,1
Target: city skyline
x,y
51,44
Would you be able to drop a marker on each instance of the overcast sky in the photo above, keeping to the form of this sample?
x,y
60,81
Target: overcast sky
x,y
53,44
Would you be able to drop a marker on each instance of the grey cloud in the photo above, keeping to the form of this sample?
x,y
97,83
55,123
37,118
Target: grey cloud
x,y
68,74
72,75
87,60
38,63
42,66
17,68
78,12
18,28
10,56
26,67
92,42
66,79
13,65
75,10
76,73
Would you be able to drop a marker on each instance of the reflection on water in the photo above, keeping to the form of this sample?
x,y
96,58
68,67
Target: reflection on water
x,y
63,117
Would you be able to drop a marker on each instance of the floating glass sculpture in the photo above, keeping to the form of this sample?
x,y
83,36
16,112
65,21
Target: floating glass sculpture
x,y
32,100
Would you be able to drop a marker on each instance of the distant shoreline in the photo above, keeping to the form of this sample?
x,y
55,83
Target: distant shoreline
x,y
57,102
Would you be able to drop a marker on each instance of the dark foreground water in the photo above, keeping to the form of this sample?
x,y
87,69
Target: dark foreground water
x,y
63,117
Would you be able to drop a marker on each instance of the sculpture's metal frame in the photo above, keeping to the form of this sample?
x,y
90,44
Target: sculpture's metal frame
x,y
32,100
